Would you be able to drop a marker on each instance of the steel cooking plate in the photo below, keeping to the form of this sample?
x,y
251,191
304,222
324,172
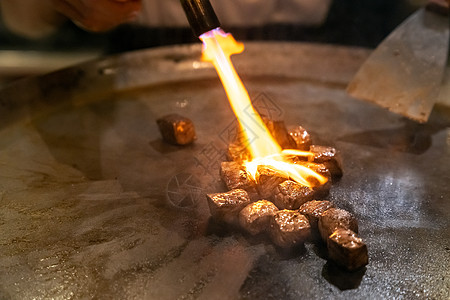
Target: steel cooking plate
x,y
94,205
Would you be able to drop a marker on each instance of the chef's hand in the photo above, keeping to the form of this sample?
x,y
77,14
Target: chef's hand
x,y
98,15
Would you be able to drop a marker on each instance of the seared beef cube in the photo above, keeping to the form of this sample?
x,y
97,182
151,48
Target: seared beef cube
x,y
267,179
237,148
347,249
289,228
237,152
279,132
255,217
316,167
329,157
313,210
301,138
235,176
290,195
225,207
176,129
323,153
335,218
320,191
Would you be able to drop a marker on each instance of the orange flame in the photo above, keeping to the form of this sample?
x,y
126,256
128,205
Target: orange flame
x,y
218,46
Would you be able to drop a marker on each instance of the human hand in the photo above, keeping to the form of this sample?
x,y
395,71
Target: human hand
x,y
98,15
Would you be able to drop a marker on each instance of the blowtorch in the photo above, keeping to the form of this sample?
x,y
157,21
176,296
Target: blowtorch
x,y
201,16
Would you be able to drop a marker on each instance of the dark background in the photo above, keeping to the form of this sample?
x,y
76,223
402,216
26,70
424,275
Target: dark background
x,y
349,22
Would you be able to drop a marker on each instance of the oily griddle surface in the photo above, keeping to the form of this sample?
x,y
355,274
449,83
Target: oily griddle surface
x,y
94,205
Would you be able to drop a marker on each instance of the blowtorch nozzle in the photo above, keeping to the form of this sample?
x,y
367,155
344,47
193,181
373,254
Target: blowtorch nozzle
x,y
201,16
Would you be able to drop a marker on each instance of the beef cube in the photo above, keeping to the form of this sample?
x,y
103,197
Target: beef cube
x,y
320,191
290,195
279,132
347,249
289,228
316,167
335,218
237,148
237,152
313,210
330,158
267,179
225,207
301,138
176,129
255,217
235,176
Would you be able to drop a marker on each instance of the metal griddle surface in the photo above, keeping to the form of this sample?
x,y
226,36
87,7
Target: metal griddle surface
x,y
94,205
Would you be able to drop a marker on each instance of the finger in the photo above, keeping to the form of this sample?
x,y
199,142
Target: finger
x,y
98,15
125,5
119,10
67,9
79,5
76,11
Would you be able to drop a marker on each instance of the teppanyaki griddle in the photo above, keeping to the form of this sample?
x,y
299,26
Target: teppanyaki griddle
x,y
94,205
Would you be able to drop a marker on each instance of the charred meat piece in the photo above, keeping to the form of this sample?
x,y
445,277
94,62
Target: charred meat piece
x,y
313,210
176,129
235,176
301,138
237,152
316,167
255,217
290,195
335,218
320,191
329,157
267,179
237,148
289,228
347,249
225,207
279,132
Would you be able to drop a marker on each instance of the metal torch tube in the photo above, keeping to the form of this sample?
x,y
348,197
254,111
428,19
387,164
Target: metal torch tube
x,y
201,16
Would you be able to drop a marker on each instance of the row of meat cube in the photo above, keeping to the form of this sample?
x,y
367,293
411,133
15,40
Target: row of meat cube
x,y
290,213
291,228
292,217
